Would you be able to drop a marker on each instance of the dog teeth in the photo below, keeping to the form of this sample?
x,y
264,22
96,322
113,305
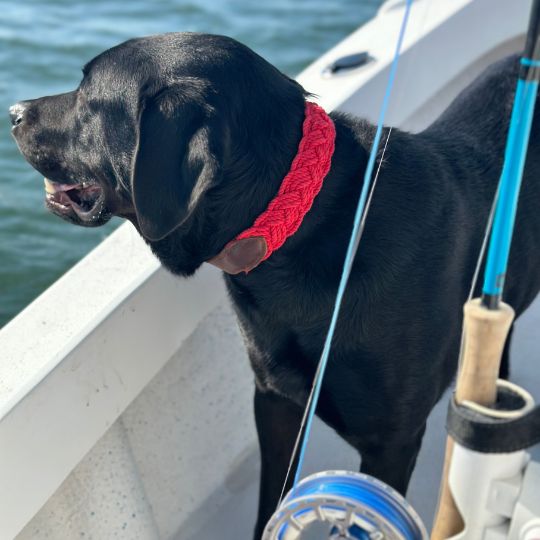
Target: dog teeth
x,y
49,187
85,185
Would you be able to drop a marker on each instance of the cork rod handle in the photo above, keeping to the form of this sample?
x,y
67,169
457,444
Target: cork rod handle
x,y
485,335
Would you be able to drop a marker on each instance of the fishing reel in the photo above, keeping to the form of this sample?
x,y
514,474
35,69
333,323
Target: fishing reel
x,y
341,505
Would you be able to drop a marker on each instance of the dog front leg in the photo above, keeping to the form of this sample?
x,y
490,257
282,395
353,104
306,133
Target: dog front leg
x,y
278,421
393,460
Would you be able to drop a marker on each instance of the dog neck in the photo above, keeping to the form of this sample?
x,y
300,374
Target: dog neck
x,y
287,209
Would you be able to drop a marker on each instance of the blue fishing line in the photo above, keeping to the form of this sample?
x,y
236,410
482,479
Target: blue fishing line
x,y
353,246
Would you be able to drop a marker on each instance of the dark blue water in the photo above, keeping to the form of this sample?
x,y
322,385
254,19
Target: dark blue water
x,y
44,44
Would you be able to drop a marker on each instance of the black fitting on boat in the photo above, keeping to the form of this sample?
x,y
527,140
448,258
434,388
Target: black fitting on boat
x,y
351,61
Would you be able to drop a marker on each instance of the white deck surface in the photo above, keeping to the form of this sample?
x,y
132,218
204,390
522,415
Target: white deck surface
x,y
235,521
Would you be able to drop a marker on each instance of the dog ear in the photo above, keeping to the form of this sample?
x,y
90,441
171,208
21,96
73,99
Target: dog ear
x,y
175,162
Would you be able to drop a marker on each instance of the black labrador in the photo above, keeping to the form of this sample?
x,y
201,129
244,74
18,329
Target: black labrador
x,y
189,137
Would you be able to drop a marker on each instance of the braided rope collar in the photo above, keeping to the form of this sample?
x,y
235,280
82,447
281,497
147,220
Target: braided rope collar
x,y
287,209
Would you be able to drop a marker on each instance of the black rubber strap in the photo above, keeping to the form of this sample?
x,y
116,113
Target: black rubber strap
x,y
489,435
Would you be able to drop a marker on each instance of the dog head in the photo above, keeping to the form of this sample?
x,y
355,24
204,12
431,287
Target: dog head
x,y
161,126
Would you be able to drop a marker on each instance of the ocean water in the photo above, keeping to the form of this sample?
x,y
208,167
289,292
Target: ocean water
x,y
44,44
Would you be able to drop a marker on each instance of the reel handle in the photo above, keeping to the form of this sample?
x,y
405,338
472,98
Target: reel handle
x,y
485,336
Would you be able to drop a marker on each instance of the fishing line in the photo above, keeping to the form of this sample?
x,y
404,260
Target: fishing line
x,y
479,261
309,402
309,413
302,425
483,248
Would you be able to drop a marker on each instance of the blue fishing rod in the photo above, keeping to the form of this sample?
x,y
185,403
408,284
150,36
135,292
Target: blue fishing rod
x,y
487,321
514,163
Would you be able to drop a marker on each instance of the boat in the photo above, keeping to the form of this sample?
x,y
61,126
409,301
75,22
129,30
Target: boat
x,y
110,404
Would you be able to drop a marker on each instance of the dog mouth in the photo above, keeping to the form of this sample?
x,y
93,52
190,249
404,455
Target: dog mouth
x,y
82,203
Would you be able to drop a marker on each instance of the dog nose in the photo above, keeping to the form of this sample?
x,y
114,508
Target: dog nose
x,y
16,113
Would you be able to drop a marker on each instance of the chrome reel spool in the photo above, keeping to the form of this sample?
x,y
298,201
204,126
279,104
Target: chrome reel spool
x,y
348,506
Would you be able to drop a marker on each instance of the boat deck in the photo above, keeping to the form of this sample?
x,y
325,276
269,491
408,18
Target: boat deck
x,y
235,519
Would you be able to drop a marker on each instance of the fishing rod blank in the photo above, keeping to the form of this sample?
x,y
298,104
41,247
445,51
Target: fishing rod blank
x,y
514,163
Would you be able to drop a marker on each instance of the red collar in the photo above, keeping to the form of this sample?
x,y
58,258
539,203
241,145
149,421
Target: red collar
x,y
287,209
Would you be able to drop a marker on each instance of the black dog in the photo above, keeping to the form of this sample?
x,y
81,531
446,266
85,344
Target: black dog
x,y
189,136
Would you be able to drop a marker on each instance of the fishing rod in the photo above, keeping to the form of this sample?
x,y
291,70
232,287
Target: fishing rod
x,y
514,163
487,321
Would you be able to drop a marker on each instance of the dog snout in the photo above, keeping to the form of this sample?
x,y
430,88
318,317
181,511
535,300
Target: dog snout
x,y
16,113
